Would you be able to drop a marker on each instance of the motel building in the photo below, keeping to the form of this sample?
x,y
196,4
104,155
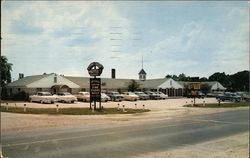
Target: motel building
x,y
55,83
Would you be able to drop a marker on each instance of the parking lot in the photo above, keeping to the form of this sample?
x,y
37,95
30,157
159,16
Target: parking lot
x,y
160,109
149,104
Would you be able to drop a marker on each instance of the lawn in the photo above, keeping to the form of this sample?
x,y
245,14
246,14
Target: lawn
x,y
70,111
222,105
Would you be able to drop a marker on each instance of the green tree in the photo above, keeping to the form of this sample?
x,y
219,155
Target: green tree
x,y
239,81
205,88
203,79
6,68
220,77
133,86
182,77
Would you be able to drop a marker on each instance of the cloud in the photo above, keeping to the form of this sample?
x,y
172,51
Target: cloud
x,y
66,36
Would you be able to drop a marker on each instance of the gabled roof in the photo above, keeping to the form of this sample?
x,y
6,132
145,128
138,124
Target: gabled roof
x,y
214,84
152,83
106,82
142,72
27,80
170,83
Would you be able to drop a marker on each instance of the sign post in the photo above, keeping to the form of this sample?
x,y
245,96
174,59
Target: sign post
x,y
95,69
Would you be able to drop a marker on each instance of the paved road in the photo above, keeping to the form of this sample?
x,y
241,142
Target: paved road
x,y
122,140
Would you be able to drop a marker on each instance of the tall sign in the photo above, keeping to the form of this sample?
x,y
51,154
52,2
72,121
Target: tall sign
x,y
95,89
95,69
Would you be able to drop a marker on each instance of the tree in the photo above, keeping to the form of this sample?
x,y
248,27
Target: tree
x,y
133,86
6,68
174,77
239,81
182,77
205,88
203,79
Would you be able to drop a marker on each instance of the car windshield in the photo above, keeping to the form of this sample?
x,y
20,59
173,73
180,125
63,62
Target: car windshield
x,y
131,93
138,92
66,93
115,93
84,93
46,94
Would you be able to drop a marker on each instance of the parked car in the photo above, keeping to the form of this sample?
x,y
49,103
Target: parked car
x,y
211,95
162,95
243,96
196,94
229,96
83,96
43,97
152,95
115,96
105,97
130,96
65,97
142,95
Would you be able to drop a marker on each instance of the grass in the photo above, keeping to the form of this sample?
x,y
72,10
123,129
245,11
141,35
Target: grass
x,y
222,105
12,101
70,111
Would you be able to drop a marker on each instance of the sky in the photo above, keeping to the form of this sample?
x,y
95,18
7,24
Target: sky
x,y
190,37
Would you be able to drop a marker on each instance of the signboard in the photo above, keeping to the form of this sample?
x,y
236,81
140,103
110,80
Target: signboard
x,y
194,86
95,69
95,89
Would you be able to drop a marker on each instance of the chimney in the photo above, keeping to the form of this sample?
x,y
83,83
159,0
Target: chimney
x,y
21,75
113,73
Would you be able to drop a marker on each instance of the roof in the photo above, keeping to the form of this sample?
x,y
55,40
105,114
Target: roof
x,y
142,72
27,80
213,84
106,82
152,83
110,83
170,83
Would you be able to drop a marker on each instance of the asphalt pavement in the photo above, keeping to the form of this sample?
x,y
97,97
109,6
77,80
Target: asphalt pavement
x,y
123,139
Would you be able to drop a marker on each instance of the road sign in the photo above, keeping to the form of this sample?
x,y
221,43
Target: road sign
x,y
95,89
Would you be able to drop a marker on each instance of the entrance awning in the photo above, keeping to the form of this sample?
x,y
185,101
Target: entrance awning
x,y
59,87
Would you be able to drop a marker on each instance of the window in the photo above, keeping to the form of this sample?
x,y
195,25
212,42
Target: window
x,y
83,89
103,83
39,89
55,79
19,89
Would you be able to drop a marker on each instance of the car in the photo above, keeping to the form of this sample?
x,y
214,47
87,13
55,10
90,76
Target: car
x,y
130,96
43,97
196,94
152,95
243,96
65,97
200,95
83,96
210,95
115,96
142,95
162,95
229,96
105,97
